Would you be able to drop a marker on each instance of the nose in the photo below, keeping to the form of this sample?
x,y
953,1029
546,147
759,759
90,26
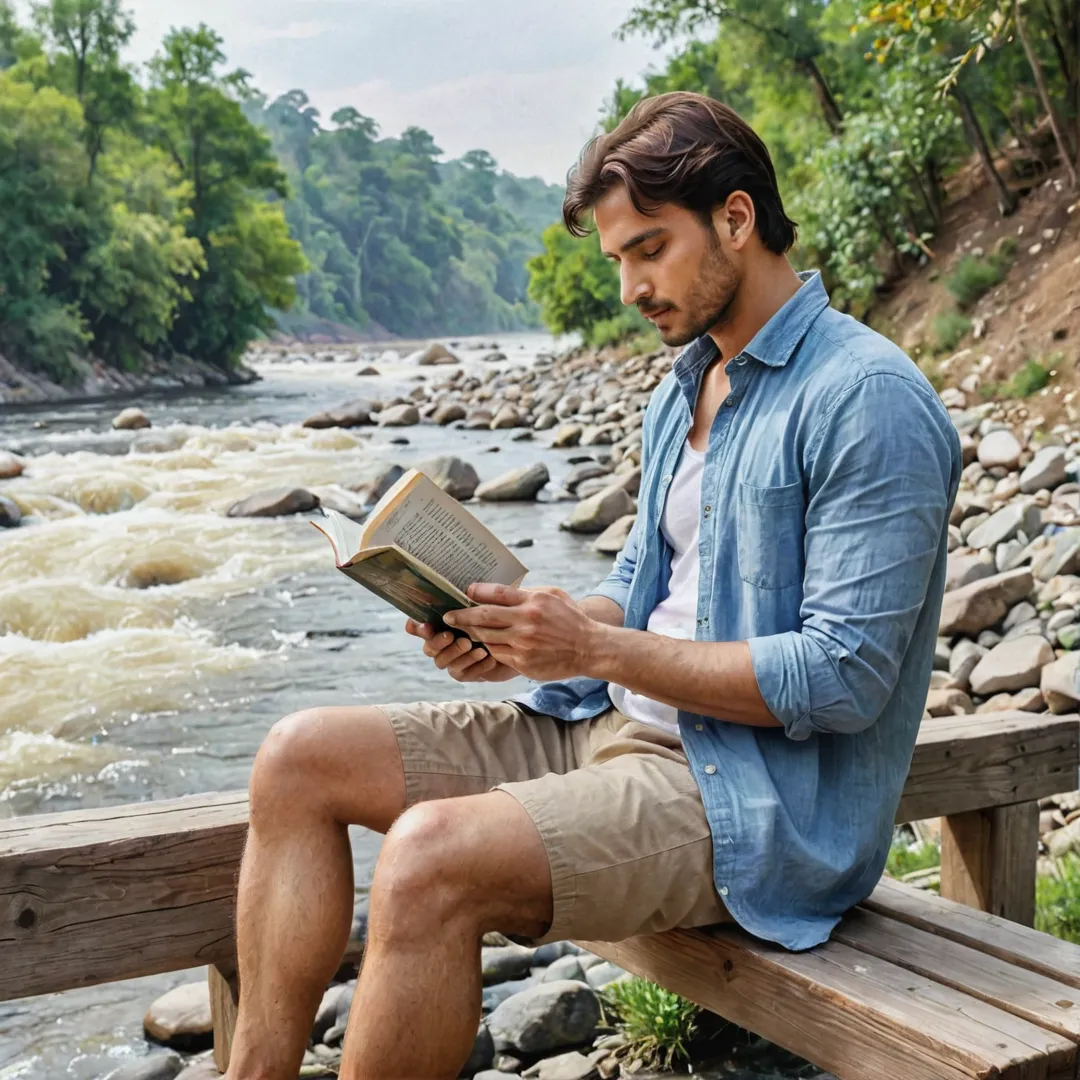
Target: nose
x,y
633,285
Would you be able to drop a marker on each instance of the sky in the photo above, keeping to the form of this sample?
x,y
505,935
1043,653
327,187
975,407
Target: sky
x,y
523,79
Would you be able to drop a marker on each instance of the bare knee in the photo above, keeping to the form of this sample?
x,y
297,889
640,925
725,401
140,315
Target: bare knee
x,y
320,761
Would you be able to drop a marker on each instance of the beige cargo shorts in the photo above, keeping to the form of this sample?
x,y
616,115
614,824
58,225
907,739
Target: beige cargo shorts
x,y
614,801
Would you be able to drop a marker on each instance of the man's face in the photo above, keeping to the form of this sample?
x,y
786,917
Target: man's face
x,y
672,265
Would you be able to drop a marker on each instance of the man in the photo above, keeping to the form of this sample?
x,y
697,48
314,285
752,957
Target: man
x,y
729,717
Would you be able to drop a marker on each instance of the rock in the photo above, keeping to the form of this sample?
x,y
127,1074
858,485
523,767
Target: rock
x,y
333,1010
546,1017
613,539
1059,683
963,660
1069,636
953,397
554,950
335,497
505,963
130,420
380,483
1047,470
1012,665
496,1074
942,652
1020,613
495,357
1062,557
546,420
164,441
568,404
1029,700
478,420
983,604
588,470
594,435
352,414
948,703
961,570
493,996
433,354
152,1067
522,436
999,448
200,1070
566,967
506,417
571,1066
568,435
599,975
10,514
518,485
448,413
455,476
596,513
10,466
275,502
630,481
369,370
399,416
1004,525
181,1018
483,1052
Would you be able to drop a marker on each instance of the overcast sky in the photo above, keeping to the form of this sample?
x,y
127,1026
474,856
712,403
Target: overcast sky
x,y
523,79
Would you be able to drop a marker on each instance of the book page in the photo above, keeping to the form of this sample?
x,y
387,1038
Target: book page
x,y
436,529
343,533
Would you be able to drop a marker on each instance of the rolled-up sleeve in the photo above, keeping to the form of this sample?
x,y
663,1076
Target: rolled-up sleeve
x,y
616,586
882,468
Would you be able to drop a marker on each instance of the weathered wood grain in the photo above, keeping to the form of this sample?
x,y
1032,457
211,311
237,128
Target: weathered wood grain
x,y
988,860
115,893
976,762
224,1003
846,1011
1015,944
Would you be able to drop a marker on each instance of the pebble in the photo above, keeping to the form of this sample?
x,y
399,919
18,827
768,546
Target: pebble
x,y
180,1018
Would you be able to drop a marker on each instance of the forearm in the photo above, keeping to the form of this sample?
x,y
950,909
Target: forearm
x,y
712,678
602,610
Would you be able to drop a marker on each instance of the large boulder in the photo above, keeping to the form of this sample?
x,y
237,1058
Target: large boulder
x,y
1012,665
10,514
434,354
1047,470
353,414
961,570
156,1066
983,604
999,448
517,485
448,412
399,416
10,466
379,483
597,512
275,502
545,1017
613,539
587,470
130,420
181,1018
455,476
1059,683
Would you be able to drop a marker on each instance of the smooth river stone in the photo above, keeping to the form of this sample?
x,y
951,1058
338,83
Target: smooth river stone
x,y
999,448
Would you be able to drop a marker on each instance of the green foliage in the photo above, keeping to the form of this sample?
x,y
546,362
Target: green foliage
x,y
658,1024
1026,380
1057,900
948,328
906,858
972,277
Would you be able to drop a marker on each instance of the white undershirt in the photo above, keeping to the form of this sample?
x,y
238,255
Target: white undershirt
x,y
675,616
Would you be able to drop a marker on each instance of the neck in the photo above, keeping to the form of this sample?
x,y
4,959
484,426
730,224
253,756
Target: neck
x,y
767,285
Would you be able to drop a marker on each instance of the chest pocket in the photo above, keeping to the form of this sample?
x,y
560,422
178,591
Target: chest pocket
x,y
771,531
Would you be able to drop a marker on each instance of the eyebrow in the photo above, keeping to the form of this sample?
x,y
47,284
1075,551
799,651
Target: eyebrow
x,y
633,242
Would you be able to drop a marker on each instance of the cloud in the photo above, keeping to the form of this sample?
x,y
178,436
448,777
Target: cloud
x,y
294,31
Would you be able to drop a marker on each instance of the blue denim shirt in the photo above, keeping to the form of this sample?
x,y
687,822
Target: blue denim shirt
x,y
829,476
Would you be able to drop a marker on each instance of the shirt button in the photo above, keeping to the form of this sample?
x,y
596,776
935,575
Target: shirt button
x,y
710,769
723,890
730,402
667,479
699,727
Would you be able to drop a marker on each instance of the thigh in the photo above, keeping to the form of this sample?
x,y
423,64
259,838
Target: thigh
x,y
457,748
628,845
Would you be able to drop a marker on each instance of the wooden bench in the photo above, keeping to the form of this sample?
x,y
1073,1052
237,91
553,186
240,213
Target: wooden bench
x,y
910,986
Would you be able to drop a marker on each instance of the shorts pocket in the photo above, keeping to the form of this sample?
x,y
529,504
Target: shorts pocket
x,y
772,528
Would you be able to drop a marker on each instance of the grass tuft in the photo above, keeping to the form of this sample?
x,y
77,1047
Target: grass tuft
x,y
658,1024
949,327
1057,900
972,278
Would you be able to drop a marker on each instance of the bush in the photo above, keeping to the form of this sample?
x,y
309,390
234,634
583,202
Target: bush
x,y
657,1024
1057,900
973,276
1029,379
949,328
906,858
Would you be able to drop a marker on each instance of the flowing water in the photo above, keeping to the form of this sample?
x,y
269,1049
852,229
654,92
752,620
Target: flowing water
x,y
148,642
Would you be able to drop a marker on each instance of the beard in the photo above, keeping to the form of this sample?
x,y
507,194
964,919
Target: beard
x,y
708,301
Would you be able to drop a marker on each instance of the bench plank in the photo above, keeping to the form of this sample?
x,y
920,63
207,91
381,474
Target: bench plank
x,y
1017,945
118,892
975,762
846,1011
1042,1000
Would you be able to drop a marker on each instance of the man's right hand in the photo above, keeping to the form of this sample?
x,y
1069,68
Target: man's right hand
x,y
457,656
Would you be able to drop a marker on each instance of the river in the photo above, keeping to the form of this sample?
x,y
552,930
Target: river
x,y
148,642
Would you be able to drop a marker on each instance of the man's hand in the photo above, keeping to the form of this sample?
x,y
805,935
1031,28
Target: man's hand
x,y
457,656
540,632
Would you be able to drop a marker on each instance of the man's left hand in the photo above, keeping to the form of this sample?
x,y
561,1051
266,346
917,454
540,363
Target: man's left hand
x,y
540,632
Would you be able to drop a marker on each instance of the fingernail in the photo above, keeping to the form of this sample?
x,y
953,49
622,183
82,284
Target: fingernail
x,y
450,618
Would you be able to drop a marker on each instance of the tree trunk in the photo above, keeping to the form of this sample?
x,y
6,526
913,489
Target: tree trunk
x,y
1064,150
829,108
1006,200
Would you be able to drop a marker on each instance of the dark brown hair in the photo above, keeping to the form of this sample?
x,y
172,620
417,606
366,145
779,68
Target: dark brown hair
x,y
685,149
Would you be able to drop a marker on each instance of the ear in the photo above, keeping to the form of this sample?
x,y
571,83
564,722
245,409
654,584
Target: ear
x,y
734,220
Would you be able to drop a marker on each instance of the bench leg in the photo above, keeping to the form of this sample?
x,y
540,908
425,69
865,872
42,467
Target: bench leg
x,y
224,999
988,860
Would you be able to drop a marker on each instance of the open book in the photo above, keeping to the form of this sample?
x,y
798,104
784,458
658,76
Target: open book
x,y
419,549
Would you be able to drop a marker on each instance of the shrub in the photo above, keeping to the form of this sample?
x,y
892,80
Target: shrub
x,y
973,276
1057,900
657,1024
949,328
1026,381
906,858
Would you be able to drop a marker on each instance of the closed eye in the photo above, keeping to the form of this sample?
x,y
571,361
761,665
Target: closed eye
x,y
654,253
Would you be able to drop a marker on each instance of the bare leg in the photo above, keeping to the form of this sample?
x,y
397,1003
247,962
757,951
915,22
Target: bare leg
x,y
448,872
317,772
